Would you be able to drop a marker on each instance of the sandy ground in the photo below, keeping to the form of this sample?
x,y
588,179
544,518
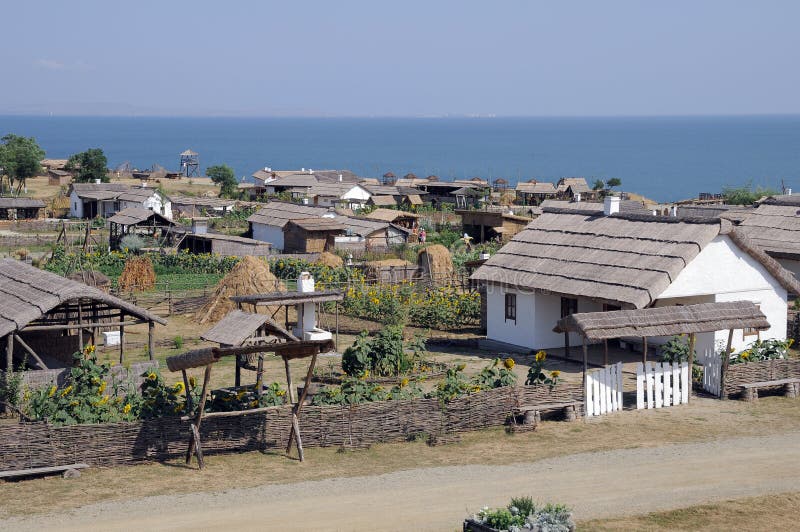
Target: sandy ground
x,y
596,485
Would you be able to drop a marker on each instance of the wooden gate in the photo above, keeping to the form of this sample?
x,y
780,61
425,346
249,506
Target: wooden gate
x,y
604,390
662,384
712,372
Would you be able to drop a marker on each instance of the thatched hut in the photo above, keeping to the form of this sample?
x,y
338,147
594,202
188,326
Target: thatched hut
x,y
435,262
250,276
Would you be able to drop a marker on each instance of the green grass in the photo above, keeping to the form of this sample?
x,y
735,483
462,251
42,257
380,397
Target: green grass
x,y
186,281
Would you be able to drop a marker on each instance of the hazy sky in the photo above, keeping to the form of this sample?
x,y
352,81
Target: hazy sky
x,y
409,58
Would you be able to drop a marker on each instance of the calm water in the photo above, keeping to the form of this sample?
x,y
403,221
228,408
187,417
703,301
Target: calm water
x,y
663,158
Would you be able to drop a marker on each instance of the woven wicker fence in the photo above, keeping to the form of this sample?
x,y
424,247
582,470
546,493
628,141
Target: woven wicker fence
x,y
28,445
749,372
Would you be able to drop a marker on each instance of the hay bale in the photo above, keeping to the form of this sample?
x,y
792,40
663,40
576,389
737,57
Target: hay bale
x,y
330,260
436,262
250,276
137,276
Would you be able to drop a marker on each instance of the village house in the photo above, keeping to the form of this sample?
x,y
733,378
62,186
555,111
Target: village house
x,y
155,229
372,235
775,227
268,223
574,188
535,192
311,235
404,219
492,223
92,200
223,245
570,261
58,178
346,195
20,208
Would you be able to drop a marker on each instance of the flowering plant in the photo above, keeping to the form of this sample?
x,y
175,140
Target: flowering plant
x,y
537,375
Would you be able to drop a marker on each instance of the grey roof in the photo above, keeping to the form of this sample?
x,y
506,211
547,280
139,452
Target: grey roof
x,y
29,293
21,203
734,213
775,228
536,188
235,328
361,226
200,201
135,215
784,199
626,206
278,213
578,184
99,191
665,321
137,194
388,215
383,200
336,190
295,180
625,259
318,224
289,298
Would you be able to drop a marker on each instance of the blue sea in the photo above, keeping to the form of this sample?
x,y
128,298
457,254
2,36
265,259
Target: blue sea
x,y
663,158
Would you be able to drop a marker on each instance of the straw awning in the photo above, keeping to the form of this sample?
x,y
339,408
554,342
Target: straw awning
x,y
289,298
665,321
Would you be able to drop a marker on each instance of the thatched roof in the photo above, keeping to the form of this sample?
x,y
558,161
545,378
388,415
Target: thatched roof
x,y
414,199
389,215
91,278
578,184
317,225
21,203
137,194
28,293
389,175
201,201
362,226
99,191
278,213
289,298
665,321
235,328
775,228
334,190
625,259
734,213
137,215
536,188
594,207
189,153
383,200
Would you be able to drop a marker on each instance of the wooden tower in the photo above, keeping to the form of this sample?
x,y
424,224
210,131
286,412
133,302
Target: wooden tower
x,y
190,163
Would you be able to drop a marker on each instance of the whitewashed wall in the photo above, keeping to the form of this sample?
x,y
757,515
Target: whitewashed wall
x,y
268,233
75,205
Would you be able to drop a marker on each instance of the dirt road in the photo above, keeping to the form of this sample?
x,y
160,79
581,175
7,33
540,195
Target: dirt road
x,y
596,485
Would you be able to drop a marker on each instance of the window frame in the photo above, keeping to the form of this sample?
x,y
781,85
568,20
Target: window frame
x,y
510,301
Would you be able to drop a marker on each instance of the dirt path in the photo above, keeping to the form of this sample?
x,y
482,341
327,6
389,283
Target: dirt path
x,y
596,485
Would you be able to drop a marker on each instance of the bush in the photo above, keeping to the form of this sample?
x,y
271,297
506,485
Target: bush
x,y
245,398
132,243
522,514
675,350
385,354
761,350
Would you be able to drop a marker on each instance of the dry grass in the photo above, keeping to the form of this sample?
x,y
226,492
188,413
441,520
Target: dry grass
x,y
770,512
137,276
704,420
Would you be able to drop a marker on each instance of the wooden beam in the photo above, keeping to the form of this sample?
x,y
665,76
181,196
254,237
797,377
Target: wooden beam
x,y
644,350
195,435
289,383
30,351
151,340
10,353
726,358
84,326
80,326
189,402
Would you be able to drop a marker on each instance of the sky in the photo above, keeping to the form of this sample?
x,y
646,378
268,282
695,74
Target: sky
x,y
409,58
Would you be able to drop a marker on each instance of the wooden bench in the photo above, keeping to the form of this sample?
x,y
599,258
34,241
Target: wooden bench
x,y
533,414
36,471
791,388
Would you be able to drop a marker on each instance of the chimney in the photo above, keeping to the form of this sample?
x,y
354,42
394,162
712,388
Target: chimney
x,y
305,201
303,169
789,191
310,171
341,177
611,205
97,181
577,197
199,226
673,211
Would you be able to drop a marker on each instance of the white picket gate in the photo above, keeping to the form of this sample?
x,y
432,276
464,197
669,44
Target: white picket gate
x,y
604,390
662,384
712,371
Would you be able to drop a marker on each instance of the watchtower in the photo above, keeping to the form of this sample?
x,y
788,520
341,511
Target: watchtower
x,y
190,163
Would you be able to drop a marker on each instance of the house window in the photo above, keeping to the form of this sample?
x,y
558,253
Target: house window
x,y
749,331
568,306
511,307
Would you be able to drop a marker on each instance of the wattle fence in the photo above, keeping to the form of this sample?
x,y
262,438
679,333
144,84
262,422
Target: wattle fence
x,y
27,445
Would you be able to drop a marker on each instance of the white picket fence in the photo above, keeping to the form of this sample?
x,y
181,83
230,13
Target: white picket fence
x,y
604,390
712,371
662,384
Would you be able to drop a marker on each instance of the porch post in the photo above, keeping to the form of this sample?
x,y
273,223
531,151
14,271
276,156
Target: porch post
x,y
692,342
585,368
726,357
121,337
605,352
151,341
644,350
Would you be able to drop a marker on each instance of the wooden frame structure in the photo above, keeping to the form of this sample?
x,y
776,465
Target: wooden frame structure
x,y
207,357
663,321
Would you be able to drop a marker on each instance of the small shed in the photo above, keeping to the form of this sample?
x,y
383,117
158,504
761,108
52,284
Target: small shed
x,y
224,245
58,177
20,208
311,235
382,201
140,221
491,223
401,218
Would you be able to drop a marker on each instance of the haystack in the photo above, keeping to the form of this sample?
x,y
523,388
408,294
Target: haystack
x,y
330,260
250,276
137,276
436,262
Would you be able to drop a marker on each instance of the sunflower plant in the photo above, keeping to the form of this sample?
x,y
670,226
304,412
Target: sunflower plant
x,y
537,376
497,374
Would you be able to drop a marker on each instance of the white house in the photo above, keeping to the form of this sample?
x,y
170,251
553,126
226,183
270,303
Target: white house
x,y
569,261
267,224
90,200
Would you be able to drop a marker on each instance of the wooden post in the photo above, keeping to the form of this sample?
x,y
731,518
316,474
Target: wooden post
x,y
189,402
644,350
336,341
80,328
30,351
10,353
726,358
151,341
585,370
566,345
260,376
296,412
121,338
194,439
692,343
289,380
237,377
605,352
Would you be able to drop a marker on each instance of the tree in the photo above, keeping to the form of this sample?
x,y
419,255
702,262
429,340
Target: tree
x,y
20,158
598,185
745,195
89,166
613,182
223,175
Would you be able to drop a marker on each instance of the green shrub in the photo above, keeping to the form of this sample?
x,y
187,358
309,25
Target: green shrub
x,y
178,342
497,374
761,350
385,354
675,350
245,398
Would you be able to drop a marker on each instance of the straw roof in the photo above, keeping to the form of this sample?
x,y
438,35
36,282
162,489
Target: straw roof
x,y
383,200
389,175
362,226
278,213
21,203
99,191
389,215
536,188
199,201
414,199
317,224
235,328
29,293
578,184
138,194
775,228
289,298
665,321
136,215
625,259
336,190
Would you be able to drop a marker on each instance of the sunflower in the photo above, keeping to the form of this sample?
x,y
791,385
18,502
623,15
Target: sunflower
x,y
555,374
509,363
126,409
151,376
540,356
179,387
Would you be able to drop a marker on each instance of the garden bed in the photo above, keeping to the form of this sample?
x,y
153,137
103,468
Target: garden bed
x,y
750,372
27,445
